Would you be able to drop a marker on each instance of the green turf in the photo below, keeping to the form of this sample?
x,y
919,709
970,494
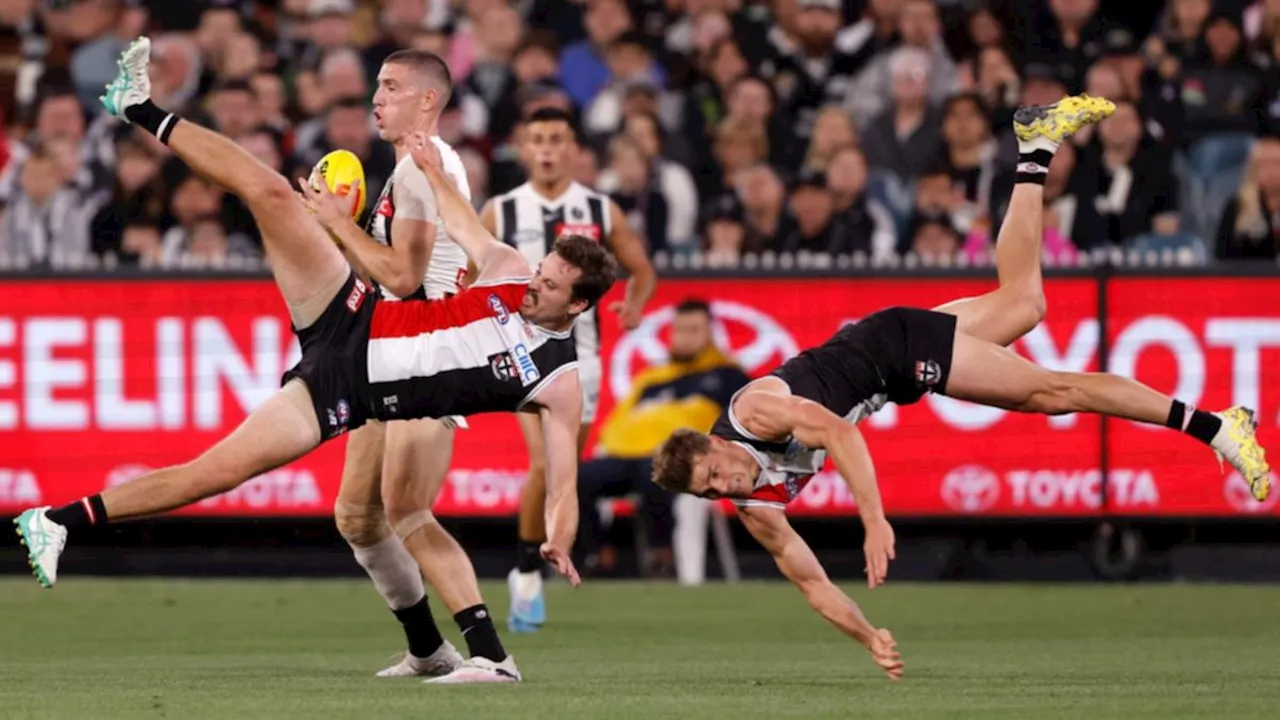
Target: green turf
x,y
307,649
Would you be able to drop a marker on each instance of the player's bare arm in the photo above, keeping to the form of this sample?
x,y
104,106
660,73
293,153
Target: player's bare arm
x,y
559,406
491,258
631,254
398,268
797,562
769,412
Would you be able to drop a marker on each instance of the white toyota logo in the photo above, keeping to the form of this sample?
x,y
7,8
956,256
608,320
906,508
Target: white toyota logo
x,y
768,344
1236,492
970,489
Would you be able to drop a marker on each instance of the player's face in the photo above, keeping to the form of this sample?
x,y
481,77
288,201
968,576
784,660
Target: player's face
x,y
726,471
399,104
549,298
546,151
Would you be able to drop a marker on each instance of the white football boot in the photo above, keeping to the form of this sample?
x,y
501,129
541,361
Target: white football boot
x,y
443,661
481,670
45,540
132,85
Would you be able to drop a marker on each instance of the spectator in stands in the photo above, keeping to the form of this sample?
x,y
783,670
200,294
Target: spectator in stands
x,y
262,143
586,166
477,175
1067,38
1221,95
330,28
1268,61
869,94
1262,21
810,212
970,157
804,64
998,84
763,198
488,94
1135,190
629,182
243,58
1250,227
136,194
398,22
934,239
583,70
936,198
233,108
140,245
906,137
705,102
1180,35
832,132
690,390
875,33
176,70
463,37
632,78
273,99
93,64
866,225
739,144
983,30
46,221
670,178
753,99
723,234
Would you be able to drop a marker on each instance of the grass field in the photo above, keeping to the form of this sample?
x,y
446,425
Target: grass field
x,y
307,649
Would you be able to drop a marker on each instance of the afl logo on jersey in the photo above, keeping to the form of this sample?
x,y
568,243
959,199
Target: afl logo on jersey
x,y
499,310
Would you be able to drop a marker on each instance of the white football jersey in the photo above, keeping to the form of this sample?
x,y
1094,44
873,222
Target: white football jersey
x,y
448,262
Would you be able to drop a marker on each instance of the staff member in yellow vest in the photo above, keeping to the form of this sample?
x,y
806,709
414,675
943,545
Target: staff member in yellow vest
x,y
690,391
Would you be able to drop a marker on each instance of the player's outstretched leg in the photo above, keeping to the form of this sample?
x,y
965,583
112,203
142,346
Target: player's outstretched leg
x,y
283,429
415,463
309,269
1018,305
528,609
986,373
361,519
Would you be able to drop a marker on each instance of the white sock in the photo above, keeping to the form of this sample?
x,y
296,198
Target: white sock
x,y
394,572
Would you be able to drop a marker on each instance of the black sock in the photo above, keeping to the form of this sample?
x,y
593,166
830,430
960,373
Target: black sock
x,y
420,628
156,121
1033,167
528,556
84,513
482,638
1201,425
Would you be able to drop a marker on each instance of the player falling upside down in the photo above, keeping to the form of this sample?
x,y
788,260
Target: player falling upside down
x,y
530,218
504,344
394,471
777,431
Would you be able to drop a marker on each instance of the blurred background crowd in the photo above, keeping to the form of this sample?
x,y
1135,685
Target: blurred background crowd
x,y
724,128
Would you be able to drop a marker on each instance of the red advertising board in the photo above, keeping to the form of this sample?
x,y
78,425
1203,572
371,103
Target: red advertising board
x,y
101,380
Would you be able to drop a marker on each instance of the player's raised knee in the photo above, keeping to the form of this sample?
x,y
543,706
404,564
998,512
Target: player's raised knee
x,y
361,527
271,191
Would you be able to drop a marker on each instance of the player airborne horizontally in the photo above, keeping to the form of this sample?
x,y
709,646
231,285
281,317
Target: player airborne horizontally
x,y
503,344
777,431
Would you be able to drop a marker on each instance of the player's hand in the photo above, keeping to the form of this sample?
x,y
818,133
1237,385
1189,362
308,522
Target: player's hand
x,y
879,551
328,208
628,316
884,651
424,152
559,559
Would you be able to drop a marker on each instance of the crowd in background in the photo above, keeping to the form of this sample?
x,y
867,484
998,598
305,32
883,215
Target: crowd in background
x,y
721,127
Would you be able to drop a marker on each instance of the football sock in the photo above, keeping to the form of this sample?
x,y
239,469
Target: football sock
x,y
477,629
84,513
420,629
1199,424
1033,164
528,557
156,121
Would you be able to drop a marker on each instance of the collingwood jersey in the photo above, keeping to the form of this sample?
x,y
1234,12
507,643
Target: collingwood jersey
x,y
448,262
532,223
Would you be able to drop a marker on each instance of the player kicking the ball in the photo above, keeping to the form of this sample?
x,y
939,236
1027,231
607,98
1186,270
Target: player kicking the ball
x,y
777,431
504,344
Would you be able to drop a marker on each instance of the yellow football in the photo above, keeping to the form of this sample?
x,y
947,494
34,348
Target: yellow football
x,y
340,170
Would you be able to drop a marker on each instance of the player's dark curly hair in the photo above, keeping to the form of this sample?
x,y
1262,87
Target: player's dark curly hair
x,y
596,264
673,463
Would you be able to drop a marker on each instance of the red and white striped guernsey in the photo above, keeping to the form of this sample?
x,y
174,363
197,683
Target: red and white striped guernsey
x,y
462,355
